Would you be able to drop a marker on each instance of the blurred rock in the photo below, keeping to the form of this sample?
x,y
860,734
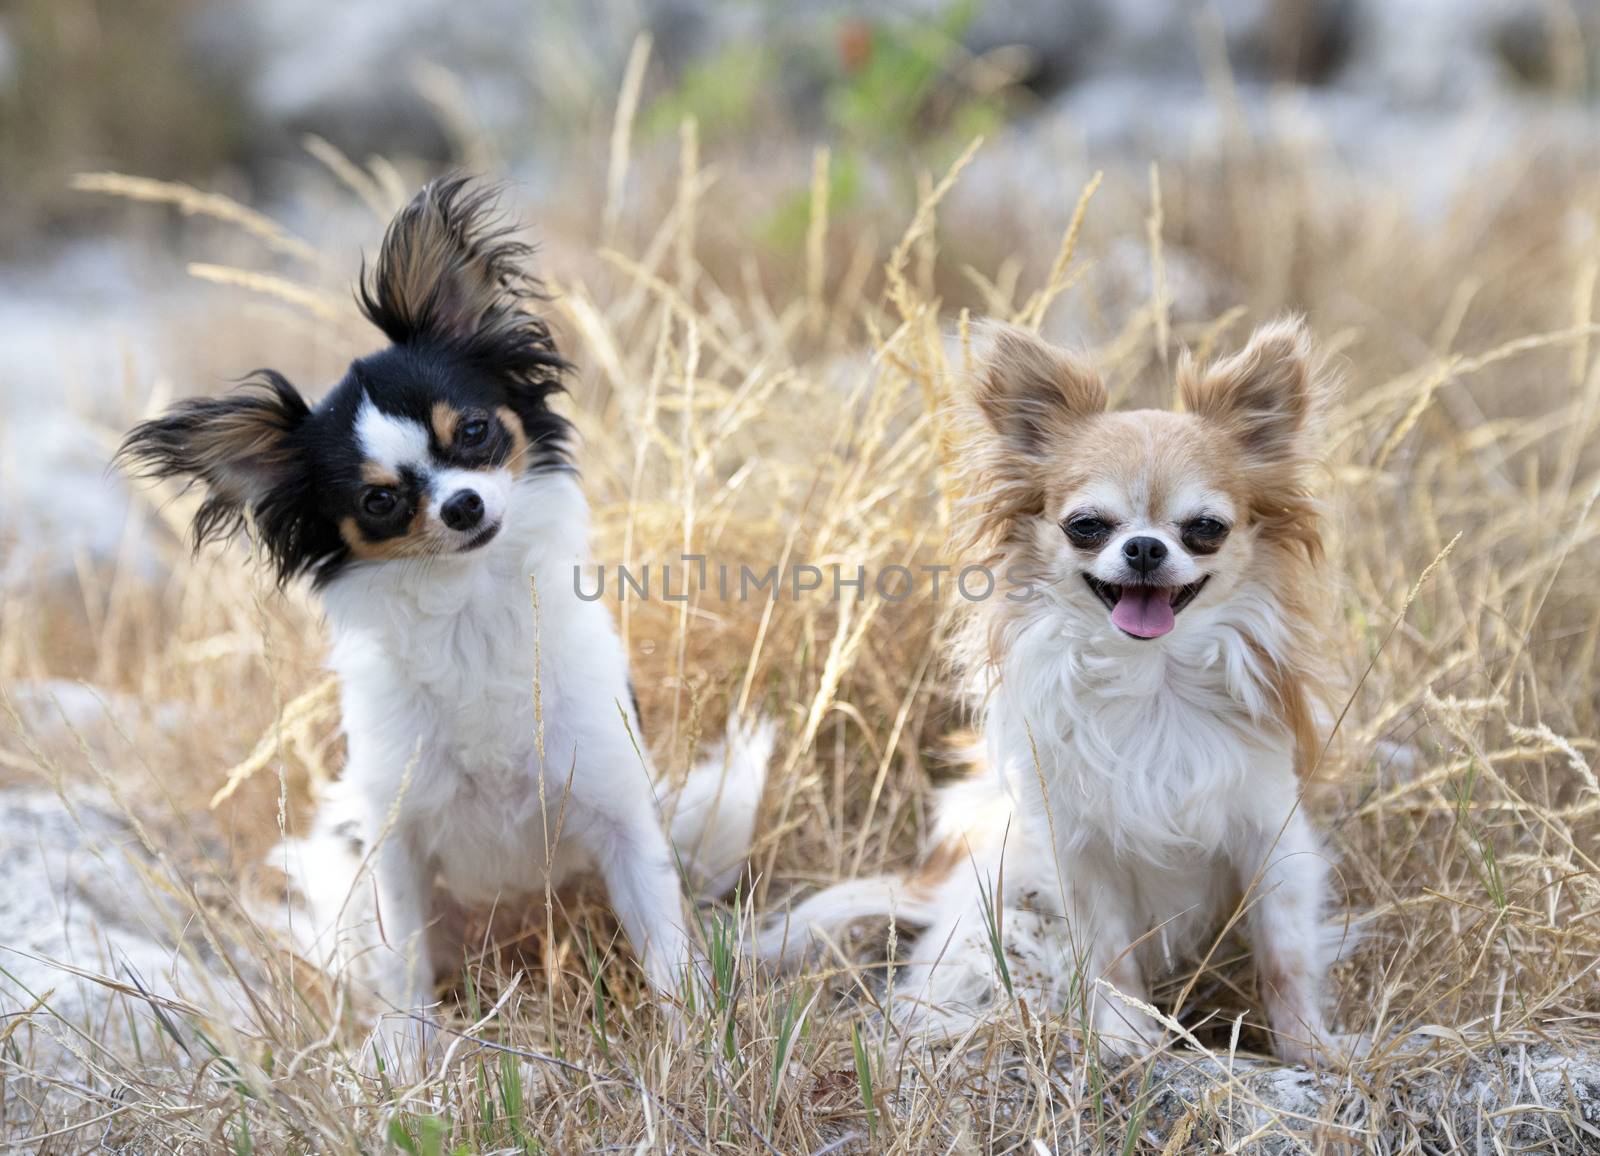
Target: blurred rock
x,y
421,78
8,58
1066,39
53,709
1165,40
407,78
1425,51
1549,46
1522,1098
91,920
68,341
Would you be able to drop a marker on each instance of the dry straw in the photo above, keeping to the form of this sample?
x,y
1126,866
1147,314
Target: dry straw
x,y
762,419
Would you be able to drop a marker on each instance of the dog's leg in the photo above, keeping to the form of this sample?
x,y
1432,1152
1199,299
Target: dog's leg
x,y
404,979
1103,940
1285,923
1121,1030
631,853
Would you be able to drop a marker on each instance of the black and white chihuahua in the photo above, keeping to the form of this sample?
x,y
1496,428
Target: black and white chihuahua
x,y
430,497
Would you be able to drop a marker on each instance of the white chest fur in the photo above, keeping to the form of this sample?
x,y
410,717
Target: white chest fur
x,y
1155,752
471,685
1151,770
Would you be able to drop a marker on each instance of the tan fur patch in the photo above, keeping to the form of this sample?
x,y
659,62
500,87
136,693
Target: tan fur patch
x,y
451,271
934,870
445,418
1267,399
518,458
418,541
1029,399
428,257
1029,389
1150,453
375,474
252,433
242,448
1296,678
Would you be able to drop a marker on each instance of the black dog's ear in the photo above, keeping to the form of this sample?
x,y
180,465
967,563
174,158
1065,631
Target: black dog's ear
x,y
240,447
451,272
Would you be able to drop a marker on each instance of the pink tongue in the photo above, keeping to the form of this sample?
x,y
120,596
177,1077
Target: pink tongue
x,y
1144,611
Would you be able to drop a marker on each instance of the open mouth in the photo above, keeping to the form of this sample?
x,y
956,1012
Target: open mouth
x,y
482,538
1144,611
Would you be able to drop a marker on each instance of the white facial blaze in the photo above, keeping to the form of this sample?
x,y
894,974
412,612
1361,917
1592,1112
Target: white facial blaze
x,y
493,486
1128,507
398,443
391,441
1178,569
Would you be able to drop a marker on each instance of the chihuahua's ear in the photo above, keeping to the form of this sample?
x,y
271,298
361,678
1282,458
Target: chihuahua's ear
x,y
450,271
240,447
1265,394
1028,388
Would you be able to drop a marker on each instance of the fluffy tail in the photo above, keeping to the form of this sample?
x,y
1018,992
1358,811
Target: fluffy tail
x,y
714,811
786,940
971,818
329,892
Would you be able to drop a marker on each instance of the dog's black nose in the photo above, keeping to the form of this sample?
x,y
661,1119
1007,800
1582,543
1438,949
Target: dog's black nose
x,y
462,510
1144,554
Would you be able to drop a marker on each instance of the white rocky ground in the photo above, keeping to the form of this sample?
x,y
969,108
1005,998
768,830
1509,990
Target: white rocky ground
x,y
90,935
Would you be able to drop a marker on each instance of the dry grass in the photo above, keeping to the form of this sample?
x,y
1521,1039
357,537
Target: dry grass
x,y
755,413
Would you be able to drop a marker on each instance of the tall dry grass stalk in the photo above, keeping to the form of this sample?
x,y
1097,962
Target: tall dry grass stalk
x,y
758,419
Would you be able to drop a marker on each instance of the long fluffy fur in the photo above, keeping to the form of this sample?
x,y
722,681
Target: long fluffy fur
x,y
491,726
243,449
1124,792
450,272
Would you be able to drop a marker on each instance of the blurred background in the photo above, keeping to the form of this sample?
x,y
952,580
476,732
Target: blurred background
x,y
286,105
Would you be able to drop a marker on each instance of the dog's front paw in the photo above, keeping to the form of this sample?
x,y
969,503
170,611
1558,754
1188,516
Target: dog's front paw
x,y
1324,1049
399,1047
1122,1034
1115,1050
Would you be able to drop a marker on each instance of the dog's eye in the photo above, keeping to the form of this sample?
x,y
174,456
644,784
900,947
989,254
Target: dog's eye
x,y
1204,534
379,502
1086,530
473,434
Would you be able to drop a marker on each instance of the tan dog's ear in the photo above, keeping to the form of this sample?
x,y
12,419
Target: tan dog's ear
x,y
1028,388
1264,394
240,446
